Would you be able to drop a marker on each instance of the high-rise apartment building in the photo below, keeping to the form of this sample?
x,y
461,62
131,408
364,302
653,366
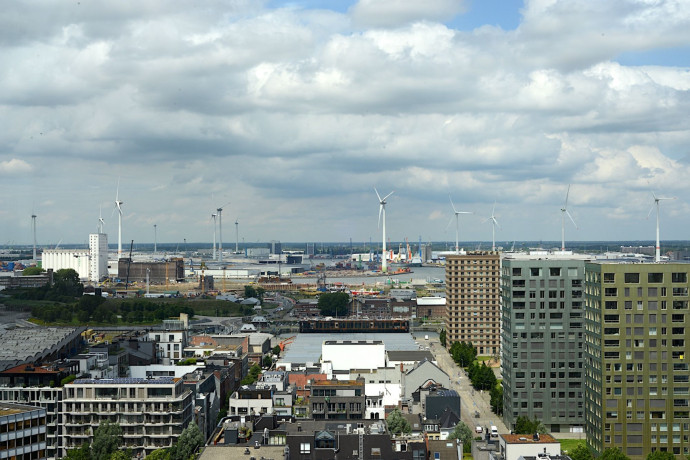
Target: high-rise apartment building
x,y
542,339
473,300
98,260
637,381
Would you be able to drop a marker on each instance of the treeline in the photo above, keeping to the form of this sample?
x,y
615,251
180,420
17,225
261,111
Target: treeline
x,y
93,309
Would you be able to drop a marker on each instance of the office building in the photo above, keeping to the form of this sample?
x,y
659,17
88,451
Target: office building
x,y
98,260
542,339
473,300
637,387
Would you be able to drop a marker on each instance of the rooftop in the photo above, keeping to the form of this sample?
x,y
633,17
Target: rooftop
x,y
12,409
528,439
127,381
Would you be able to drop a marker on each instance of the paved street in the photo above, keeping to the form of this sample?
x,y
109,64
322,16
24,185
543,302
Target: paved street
x,y
471,400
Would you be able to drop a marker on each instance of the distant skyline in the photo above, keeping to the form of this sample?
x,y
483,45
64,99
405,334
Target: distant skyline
x,y
293,111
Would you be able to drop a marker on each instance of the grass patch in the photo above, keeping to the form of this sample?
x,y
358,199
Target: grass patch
x,y
567,445
466,456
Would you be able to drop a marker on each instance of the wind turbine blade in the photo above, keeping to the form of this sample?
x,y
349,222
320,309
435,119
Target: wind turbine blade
x,y
450,222
654,195
571,218
650,212
495,222
667,198
452,204
565,206
377,195
384,198
117,190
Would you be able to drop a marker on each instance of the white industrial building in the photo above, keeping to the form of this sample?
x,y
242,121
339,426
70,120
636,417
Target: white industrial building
x,y
354,354
91,264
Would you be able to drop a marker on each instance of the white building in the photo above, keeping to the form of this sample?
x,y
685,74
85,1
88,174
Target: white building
x,y
516,446
348,354
98,262
170,345
76,259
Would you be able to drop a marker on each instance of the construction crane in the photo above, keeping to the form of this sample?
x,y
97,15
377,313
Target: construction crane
x,y
129,263
285,342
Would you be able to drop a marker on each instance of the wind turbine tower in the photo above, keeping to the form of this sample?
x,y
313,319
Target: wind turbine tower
x,y
220,232
657,253
237,236
382,211
101,222
155,238
33,226
118,205
494,224
213,216
457,225
564,212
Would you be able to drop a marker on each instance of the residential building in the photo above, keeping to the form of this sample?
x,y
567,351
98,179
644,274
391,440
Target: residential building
x,y
542,339
252,399
151,412
98,256
520,446
473,300
424,374
170,345
338,399
637,387
22,432
46,398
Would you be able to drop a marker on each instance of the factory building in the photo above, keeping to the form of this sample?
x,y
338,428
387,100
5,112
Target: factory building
x,y
171,270
91,264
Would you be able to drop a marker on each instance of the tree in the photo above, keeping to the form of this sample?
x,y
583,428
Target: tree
x,y
106,440
66,282
613,453
82,453
397,423
190,439
159,454
463,353
249,291
32,271
497,399
268,361
581,452
524,425
334,303
442,337
125,454
659,455
461,432
276,350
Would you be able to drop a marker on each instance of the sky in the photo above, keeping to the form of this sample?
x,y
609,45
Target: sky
x,y
289,114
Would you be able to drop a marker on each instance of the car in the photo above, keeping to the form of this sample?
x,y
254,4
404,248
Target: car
x,y
494,432
478,429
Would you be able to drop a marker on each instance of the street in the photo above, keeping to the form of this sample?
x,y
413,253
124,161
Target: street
x,y
471,400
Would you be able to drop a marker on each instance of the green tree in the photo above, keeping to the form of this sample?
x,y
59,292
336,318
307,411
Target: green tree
x,y
524,425
66,282
659,455
249,291
190,439
463,353
334,303
397,423
482,376
268,361
613,453
581,452
125,454
461,432
106,440
442,337
253,375
82,453
497,399
159,454
276,350
32,271
260,293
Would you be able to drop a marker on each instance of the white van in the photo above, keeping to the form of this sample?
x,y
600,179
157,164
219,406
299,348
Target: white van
x,y
494,431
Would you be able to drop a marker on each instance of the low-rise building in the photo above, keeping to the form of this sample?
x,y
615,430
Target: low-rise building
x,y
338,399
517,446
22,432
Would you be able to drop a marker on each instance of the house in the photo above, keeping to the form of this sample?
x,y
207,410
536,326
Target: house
x,y
518,446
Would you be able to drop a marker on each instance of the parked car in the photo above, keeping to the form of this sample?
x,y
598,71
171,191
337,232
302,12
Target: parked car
x,y
478,429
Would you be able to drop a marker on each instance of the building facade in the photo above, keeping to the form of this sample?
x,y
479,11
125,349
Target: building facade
x,y
76,259
98,260
473,300
637,388
151,412
542,340
22,432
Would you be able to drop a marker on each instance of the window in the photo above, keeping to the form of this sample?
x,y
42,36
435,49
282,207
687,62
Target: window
x,y
679,277
632,277
555,271
655,277
304,448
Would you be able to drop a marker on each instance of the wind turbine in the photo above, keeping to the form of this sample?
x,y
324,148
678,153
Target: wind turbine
x,y
220,232
237,236
457,224
33,225
564,212
657,254
118,206
494,224
213,216
101,222
382,211
155,238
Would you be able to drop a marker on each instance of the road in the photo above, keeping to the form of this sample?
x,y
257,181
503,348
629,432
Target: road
x,y
471,400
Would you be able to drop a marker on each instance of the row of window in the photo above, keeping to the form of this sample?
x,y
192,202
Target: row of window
x,y
633,278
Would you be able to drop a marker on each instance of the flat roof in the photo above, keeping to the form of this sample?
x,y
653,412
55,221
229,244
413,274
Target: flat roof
x,y
306,347
528,439
128,381
12,409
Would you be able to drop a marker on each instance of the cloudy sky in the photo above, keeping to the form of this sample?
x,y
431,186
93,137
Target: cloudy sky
x,y
294,111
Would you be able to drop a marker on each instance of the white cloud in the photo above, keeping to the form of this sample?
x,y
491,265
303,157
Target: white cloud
x,y
393,13
14,166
